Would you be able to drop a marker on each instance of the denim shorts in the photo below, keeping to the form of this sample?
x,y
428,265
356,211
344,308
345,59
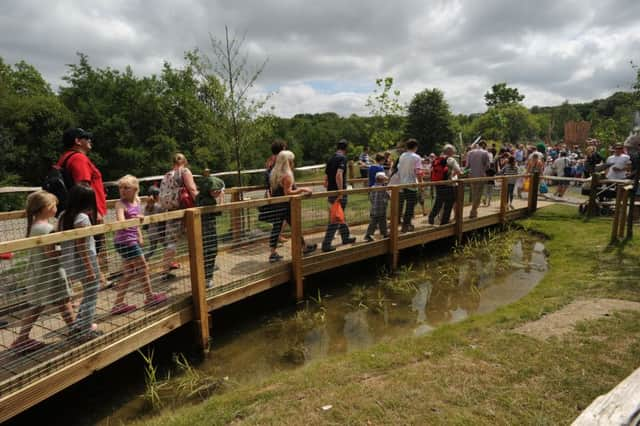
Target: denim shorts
x,y
128,252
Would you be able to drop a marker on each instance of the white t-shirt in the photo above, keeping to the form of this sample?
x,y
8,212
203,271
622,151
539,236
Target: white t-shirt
x,y
618,170
407,165
560,164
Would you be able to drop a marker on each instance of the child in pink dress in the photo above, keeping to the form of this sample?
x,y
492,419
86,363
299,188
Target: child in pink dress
x,y
128,243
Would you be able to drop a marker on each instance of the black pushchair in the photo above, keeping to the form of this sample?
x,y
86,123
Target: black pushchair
x,y
605,195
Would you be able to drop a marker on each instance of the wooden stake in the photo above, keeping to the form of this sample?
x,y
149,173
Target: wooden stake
x,y
616,214
623,212
394,233
459,210
504,199
592,206
196,267
534,188
296,246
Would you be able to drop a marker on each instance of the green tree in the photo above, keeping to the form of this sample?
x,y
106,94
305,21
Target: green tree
x,y
501,95
385,105
31,123
429,120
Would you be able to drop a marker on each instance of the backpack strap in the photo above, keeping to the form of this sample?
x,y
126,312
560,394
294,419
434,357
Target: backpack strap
x,y
68,180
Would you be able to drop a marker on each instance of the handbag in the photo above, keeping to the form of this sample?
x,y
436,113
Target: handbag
x,y
336,213
185,199
265,213
543,188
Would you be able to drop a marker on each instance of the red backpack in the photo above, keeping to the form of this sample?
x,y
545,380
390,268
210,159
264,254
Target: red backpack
x,y
439,169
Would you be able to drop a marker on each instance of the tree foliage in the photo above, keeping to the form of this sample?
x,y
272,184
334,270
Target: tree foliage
x,y
384,104
429,120
502,95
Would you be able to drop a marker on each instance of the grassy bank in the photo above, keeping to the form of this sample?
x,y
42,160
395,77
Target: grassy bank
x,y
475,372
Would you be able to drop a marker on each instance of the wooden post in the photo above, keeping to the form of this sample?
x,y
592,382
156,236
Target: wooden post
x,y
394,233
296,246
196,265
236,217
623,212
534,188
459,210
504,199
592,206
616,215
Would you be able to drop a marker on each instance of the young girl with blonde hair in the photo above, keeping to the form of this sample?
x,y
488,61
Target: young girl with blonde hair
x,y
48,280
128,243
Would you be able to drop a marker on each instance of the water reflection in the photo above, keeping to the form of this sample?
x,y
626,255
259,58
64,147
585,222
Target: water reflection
x,y
449,291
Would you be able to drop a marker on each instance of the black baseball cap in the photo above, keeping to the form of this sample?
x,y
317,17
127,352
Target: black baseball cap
x,y
70,135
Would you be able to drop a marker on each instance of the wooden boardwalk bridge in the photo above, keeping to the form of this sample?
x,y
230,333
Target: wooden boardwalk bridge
x,y
243,270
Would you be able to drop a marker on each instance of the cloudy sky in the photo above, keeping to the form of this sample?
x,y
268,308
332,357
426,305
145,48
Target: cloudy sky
x,y
325,55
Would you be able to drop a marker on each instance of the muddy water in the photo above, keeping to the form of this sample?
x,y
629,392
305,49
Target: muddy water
x,y
343,319
348,310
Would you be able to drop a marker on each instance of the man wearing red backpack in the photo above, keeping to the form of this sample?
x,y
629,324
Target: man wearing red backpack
x,y
444,167
77,143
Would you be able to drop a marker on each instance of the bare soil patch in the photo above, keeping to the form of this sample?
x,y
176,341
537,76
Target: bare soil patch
x,y
564,320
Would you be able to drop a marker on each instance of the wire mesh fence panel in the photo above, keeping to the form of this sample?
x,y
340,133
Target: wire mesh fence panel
x,y
244,245
61,301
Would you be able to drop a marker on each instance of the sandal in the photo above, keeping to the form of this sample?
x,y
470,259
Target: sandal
x,y
123,309
156,299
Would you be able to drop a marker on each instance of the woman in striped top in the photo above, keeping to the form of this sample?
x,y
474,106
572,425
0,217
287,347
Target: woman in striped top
x,y
510,169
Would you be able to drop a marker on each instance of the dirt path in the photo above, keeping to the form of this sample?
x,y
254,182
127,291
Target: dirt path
x,y
564,320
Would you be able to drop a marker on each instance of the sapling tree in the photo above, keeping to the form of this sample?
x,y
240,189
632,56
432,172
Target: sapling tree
x,y
243,117
384,104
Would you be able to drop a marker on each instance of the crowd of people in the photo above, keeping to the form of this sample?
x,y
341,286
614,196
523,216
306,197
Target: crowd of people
x,y
53,268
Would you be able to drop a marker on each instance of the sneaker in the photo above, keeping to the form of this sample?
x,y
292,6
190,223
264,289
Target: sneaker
x,y
407,228
210,283
27,346
349,240
168,276
275,257
309,248
122,308
108,284
328,249
368,238
174,265
156,299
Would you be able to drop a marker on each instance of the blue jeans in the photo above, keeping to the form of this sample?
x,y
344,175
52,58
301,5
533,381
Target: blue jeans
x,y
87,311
333,227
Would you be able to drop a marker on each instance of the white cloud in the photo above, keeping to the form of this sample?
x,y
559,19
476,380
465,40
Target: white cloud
x,y
550,50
